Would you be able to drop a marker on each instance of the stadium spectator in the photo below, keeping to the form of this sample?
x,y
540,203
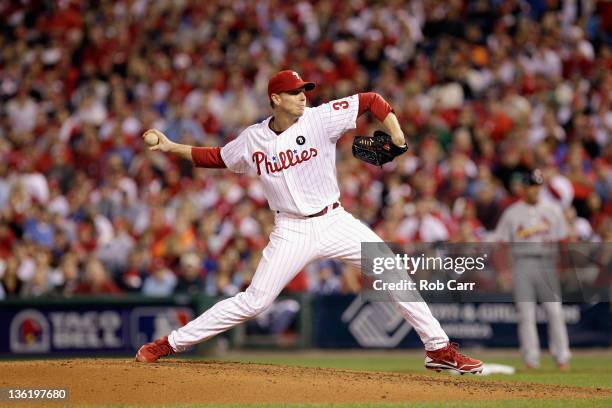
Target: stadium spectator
x,y
190,279
40,283
67,276
161,281
96,280
11,283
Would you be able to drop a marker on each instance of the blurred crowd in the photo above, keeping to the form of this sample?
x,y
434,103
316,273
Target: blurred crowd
x,y
483,89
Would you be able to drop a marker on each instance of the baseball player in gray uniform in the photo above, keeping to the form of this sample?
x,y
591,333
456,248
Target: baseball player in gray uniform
x,y
293,154
534,226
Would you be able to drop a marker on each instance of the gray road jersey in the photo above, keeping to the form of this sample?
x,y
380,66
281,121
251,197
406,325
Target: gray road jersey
x,y
521,222
528,225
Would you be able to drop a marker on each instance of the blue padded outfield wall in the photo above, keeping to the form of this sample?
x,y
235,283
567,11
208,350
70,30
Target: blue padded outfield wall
x,y
118,326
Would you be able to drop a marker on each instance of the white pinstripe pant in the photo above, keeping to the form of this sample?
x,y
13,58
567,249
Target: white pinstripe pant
x,y
294,242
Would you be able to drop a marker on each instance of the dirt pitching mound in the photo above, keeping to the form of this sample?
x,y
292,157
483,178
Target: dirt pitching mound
x,y
114,381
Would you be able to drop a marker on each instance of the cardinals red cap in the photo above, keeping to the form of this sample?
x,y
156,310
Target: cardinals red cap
x,y
287,80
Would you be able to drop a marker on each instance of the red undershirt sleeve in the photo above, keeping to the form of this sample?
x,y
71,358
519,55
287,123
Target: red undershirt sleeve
x,y
209,157
373,102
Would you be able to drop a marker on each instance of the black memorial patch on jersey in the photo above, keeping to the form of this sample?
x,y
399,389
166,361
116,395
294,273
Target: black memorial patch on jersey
x,y
300,140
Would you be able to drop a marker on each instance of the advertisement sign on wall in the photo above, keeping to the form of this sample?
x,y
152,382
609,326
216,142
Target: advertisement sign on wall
x,y
91,328
350,322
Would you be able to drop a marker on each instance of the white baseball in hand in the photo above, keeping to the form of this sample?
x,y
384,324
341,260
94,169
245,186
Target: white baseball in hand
x,y
151,139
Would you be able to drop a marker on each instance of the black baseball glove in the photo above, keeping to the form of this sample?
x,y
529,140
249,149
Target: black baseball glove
x,y
378,149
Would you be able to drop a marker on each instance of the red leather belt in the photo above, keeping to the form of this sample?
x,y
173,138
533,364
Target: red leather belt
x,y
324,211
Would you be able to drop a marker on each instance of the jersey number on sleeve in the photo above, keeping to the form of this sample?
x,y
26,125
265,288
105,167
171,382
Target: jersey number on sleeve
x,y
340,105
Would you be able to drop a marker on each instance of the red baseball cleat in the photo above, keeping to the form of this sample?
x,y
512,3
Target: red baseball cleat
x,y
151,352
449,358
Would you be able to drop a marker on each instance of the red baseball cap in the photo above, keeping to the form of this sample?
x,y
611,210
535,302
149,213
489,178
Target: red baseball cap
x,y
287,80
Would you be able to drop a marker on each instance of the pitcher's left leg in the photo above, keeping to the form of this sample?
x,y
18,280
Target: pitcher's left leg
x,y
343,240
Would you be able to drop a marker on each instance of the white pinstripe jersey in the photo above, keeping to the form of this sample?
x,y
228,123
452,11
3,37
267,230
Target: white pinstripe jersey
x,y
297,167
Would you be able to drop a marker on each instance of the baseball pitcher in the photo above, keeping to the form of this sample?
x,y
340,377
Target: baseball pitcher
x,y
293,153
